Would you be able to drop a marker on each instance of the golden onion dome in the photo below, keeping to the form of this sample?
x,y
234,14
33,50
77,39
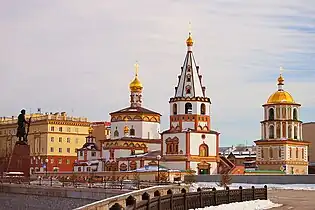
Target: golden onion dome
x,y
189,41
136,84
280,96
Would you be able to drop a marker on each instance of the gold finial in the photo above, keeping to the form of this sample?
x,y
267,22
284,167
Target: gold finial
x,y
90,130
280,78
189,41
136,68
136,85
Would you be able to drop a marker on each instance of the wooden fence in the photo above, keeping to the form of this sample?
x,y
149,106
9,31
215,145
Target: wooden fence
x,y
193,200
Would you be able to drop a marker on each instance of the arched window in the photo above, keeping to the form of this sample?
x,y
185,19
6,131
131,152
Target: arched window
x,y
290,152
271,152
188,89
132,131
116,133
188,78
290,132
297,153
174,109
203,150
278,131
295,114
295,132
303,153
271,114
271,132
279,152
172,145
203,109
188,108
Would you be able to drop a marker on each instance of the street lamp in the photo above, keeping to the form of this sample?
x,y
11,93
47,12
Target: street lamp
x,y
46,161
158,160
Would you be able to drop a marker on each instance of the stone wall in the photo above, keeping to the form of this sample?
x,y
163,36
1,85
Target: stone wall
x,y
93,194
257,179
121,199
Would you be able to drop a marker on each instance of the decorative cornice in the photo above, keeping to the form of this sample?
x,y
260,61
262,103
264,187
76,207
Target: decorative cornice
x,y
281,142
201,99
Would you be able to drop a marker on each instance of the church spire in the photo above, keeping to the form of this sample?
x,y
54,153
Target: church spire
x,y
189,84
136,89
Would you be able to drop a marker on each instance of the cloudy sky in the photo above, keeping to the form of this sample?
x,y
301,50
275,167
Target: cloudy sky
x,y
78,56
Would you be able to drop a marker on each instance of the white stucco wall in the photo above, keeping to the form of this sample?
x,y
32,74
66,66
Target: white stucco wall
x,y
146,130
196,141
180,165
90,157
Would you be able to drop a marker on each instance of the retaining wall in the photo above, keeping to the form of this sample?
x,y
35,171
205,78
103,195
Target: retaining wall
x,y
92,194
258,179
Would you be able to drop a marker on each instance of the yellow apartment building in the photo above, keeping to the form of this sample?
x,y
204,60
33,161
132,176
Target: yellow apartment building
x,y
53,139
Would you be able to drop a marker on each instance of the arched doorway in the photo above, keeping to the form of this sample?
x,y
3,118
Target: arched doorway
x,y
204,168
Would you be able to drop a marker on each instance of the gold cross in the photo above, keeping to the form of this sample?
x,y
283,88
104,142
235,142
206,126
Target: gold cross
x,y
189,28
136,68
281,70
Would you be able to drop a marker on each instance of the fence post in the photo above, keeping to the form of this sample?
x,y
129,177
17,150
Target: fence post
x,y
228,194
171,200
200,199
241,193
253,193
159,203
185,201
214,196
266,192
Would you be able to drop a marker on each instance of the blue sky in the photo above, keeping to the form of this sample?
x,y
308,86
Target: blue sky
x,y
78,56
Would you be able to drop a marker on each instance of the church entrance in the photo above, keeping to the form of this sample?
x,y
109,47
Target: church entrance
x,y
204,168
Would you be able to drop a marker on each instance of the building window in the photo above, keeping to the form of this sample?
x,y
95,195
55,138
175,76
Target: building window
x,y
52,139
295,114
290,132
295,132
172,145
271,132
60,129
51,149
60,161
88,168
132,131
81,153
203,109
188,78
52,128
68,150
271,114
297,153
174,109
60,139
290,152
116,133
133,165
203,150
188,108
303,153
270,152
262,153
68,130
279,152
60,150
51,160
111,154
93,154
188,89
79,168
68,161
68,140
76,140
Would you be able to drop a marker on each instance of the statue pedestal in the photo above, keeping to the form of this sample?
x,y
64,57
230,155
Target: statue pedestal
x,y
20,160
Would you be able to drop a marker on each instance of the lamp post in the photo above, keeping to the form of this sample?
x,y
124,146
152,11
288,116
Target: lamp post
x,y
46,161
158,160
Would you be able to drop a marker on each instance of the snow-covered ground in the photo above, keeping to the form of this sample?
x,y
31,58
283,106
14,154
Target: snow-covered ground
x,y
195,186
247,205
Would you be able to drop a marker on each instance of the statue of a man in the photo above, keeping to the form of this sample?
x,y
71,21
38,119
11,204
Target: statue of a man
x,y
21,133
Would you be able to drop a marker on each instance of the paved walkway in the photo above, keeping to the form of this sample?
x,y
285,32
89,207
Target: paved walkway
x,y
293,199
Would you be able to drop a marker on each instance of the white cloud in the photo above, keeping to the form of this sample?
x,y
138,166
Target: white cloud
x,y
79,55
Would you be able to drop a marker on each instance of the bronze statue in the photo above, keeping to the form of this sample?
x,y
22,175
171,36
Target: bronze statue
x,y
21,133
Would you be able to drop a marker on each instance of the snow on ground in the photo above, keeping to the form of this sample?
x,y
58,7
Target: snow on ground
x,y
247,205
195,186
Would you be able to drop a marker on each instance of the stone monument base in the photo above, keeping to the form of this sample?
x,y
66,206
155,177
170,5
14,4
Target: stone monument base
x,y
20,160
